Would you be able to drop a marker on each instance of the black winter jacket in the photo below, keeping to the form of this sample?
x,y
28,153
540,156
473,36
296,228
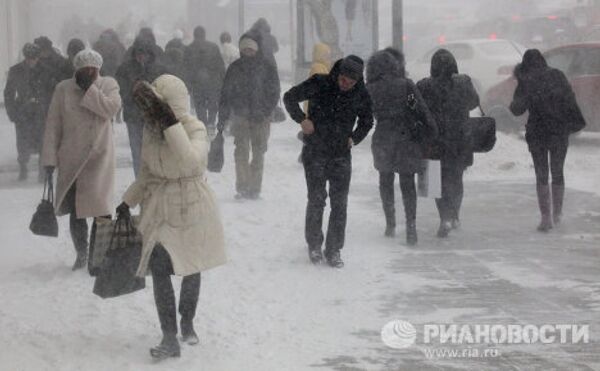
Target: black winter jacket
x,y
27,92
333,112
130,72
205,68
394,149
251,90
551,103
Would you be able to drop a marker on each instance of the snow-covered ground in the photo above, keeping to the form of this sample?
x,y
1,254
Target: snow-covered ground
x,y
269,309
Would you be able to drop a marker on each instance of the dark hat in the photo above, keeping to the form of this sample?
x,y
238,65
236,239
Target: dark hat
x,y
31,51
43,42
352,67
74,47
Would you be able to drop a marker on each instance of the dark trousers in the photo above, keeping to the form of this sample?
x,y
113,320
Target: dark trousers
x,y
409,196
452,191
164,296
135,131
206,106
77,226
319,171
29,139
550,157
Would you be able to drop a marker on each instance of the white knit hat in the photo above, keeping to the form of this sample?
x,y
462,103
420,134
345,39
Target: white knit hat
x,y
87,58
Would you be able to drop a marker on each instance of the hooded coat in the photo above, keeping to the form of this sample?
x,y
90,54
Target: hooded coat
x,y
450,97
78,141
394,149
251,89
546,93
267,43
178,208
112,52
131,71
321,64
204,67
334,113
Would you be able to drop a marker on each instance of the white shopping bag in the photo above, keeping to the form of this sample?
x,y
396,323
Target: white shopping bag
x,y
429,180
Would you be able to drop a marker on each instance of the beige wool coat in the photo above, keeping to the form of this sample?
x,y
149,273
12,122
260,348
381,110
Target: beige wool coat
x,y
178,209
78,141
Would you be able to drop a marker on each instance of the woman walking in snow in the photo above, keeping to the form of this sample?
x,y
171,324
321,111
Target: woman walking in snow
x,y
395,148
180,222
546,93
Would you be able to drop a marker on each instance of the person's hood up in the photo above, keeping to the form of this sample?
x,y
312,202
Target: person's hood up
x,y
382,64
141,45
322,54
74,47
147,34
262,25
443,64
173,91
336,71
533,60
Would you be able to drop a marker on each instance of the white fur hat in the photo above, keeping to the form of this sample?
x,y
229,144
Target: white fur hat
x,y
87,58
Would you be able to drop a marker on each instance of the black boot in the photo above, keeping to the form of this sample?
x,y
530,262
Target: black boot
x,y
188,335
411,233
168,347
544,200
315,255
79,235
445,224
558,194
386,192
334,259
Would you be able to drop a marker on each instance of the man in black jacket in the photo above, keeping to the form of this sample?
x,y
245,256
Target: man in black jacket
x,y
251,92
25,100
205,71
330,130
142,65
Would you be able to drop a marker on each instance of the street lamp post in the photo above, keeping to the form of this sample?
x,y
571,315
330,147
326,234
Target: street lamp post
x,y
397,24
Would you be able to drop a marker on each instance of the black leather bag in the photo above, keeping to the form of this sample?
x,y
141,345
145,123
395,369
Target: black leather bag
x,y
480,133
419,132
116,275
43,222
216,157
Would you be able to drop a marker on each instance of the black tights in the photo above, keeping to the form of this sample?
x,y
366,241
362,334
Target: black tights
x,y
409,196
550,158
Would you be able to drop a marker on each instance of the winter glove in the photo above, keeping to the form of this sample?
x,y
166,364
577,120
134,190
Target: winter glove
x,y
123,211
85,77
164,115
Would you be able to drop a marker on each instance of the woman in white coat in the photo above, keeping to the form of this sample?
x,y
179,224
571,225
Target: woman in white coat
x,y
78,140
180,222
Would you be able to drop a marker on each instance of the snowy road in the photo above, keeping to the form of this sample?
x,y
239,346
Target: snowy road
x,y
269,309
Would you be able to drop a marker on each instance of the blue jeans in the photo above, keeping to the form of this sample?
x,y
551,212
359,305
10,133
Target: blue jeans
x,y
135,130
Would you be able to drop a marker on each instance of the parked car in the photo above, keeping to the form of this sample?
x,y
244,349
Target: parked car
x,y
487,61
581,65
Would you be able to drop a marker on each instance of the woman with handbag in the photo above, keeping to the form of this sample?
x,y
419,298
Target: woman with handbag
x,y
450,97
553,114
180,223
403,122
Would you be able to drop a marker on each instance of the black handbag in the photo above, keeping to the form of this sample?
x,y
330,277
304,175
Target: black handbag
x,y
43,222
480,133
116,275
419,132
216,157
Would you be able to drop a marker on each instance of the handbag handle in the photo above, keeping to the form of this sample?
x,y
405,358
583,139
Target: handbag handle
x,y
481,110
122,222
48,189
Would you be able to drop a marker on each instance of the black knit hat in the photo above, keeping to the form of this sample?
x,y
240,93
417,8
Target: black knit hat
x,y
352,67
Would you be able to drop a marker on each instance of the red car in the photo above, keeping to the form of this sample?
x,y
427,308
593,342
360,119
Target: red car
x,y
581,65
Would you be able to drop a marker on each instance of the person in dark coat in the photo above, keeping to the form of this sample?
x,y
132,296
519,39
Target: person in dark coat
x,y
249,95
450,97
205,73
336,101
74,47
395,148
112,51
546,93
25,104
176,42
267,43
141,66
146,35
58,67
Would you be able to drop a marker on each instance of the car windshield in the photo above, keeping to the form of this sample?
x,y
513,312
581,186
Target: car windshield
x,y
500,49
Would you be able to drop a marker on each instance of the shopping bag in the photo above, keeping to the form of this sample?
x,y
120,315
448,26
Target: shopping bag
x,y
216,157
115,275
43,222
429,181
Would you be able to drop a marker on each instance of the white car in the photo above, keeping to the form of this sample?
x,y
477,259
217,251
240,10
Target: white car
x,y
486,61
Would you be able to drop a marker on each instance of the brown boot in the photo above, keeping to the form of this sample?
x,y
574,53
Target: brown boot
x,y
543,194
558,193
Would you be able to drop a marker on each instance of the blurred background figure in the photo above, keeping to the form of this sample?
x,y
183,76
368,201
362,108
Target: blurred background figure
x,y
112,51
229,52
